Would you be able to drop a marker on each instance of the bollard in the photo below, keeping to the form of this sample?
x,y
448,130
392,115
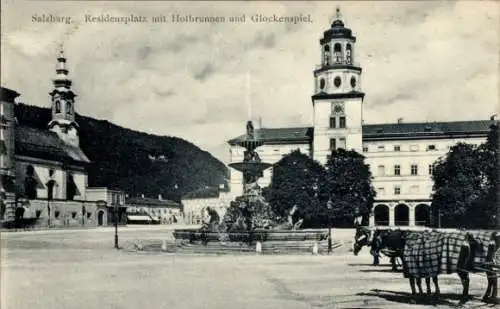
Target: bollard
x,y
258,248
164,246
315,248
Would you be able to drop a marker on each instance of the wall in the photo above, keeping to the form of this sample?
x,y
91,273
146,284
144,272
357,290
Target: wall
x,y
323,133
193,208
64,213
411,152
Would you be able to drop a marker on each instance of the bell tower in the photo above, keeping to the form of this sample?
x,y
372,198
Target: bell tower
x,y
63,104
337,99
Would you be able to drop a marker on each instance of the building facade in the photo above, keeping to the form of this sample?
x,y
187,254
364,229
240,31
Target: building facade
x,y
146,210
43,172
400,155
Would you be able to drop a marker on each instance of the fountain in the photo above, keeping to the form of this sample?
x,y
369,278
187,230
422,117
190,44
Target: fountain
x,y
249,223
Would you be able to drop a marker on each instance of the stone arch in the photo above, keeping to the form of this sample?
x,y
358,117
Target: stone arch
x,y
101,217
381,214
401,215
422,214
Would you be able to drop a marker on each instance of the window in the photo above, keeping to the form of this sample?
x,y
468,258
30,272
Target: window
x,y
348,52
89,215
58,106
38,213
414,189
342,122
381,148
56,214
73,214
414,169
327,54
397,190
397,170
333,144
380,191
397,148
68,108
431,147
342,143
333,122
414,147
337,52
381,170
365,148
431,169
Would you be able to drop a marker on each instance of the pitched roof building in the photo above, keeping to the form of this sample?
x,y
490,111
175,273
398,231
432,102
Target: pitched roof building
x,y
46,168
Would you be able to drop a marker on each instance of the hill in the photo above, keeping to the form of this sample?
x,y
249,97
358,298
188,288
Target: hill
x,y
136,162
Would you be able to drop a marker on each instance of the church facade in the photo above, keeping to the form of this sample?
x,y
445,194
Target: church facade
x,y
44,171
400,155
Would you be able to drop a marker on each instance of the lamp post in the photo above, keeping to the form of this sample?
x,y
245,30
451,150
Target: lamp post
x,y
116,225
329,206
48,211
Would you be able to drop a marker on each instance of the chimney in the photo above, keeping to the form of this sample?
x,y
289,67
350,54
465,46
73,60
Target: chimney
x,y
160,197
400,120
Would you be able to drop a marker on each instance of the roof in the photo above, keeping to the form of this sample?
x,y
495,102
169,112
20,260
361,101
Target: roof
x,y
210,192
419,130
8,95
416,130
278,135
151,202
47,145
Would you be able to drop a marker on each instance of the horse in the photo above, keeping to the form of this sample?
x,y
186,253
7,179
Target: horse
x,y
366,237
429,254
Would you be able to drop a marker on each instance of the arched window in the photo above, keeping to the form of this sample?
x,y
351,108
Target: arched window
x,y
337,51
326,55
30,183
348,53
58,106
68,108
70,187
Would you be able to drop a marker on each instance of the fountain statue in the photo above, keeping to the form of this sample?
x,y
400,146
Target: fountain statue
x,y
249,218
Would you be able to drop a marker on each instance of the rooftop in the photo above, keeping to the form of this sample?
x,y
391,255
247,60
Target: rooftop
x,y
270,135
378,131
44,144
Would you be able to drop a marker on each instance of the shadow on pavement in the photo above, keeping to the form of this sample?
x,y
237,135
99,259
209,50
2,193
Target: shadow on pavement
x,y
407,298
380,270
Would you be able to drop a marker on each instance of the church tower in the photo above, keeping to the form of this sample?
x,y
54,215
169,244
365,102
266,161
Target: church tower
x,y
337,99
63,105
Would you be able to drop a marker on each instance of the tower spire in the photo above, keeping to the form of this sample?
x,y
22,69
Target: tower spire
x,y
338,15
63,103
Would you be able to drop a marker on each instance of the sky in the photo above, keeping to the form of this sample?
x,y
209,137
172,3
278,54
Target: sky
x,y
422,61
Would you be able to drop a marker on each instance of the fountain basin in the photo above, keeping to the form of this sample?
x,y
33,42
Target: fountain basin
x,y
194,235
250,167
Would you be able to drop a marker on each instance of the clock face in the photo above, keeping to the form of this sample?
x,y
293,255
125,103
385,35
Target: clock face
x,y
338,108
337,81
353,82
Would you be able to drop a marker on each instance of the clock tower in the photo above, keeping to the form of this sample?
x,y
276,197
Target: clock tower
x,y
63,105
337,99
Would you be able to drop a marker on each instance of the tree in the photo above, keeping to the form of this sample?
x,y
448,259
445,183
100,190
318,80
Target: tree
x,y
348,186
460,186
487,158
296,181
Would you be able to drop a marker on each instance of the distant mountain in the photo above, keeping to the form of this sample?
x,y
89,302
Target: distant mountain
x,y
136,162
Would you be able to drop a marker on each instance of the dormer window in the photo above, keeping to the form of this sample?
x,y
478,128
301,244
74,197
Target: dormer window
x,y
58,106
